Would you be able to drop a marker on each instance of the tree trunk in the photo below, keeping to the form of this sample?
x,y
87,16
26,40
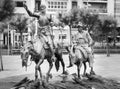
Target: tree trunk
x,y
114,39
107,47
1,62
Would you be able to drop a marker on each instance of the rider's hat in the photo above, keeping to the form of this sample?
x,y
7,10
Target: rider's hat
x,y
80,24
42,7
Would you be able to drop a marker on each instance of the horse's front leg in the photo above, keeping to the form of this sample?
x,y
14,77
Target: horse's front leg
x,y
36,74
50,67
37,68
40,72
92,71
85,67
78,68
63,64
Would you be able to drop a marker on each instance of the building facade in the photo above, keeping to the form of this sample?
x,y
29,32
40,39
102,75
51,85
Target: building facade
x,y
53,7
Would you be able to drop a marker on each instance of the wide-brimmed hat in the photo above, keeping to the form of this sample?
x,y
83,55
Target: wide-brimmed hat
x,y
42,7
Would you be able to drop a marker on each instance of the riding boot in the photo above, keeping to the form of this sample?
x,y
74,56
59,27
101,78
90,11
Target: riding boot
x,y
53,54
90,60
70,62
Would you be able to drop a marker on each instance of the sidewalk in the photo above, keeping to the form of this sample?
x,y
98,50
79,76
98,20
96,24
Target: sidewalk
x,y
13,72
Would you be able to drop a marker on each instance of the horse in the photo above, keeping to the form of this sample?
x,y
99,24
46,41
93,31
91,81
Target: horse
x,y
78,59
38,54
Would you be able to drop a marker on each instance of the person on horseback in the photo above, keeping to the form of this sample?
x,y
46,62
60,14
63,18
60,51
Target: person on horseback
x,y
83,42
44,22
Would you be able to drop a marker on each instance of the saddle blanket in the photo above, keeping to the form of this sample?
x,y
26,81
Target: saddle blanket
x,y
85,50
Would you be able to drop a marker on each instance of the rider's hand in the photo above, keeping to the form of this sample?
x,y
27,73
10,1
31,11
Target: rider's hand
x,y
25,6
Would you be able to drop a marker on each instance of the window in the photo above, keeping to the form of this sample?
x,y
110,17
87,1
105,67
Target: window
x,y
74,4
61,3
37,5
56,6
58,3
62,36
51,3
51,6
61,6
19,3
55,3
15,37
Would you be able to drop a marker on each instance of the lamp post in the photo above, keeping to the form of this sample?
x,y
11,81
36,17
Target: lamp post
x,y
1,62
8,39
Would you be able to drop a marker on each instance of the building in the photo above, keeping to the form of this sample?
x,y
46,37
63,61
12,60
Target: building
x,y
105,7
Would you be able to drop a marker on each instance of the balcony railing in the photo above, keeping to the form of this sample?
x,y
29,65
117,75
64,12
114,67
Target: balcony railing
x,y
95,0
100,10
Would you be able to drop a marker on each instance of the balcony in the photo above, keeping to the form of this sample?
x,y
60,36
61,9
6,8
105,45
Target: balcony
x,y
95,1
99,10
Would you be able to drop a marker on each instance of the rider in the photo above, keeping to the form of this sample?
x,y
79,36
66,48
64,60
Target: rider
x,y
83,42
43,22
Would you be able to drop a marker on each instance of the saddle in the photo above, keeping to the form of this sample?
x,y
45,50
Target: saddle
x,y
34,55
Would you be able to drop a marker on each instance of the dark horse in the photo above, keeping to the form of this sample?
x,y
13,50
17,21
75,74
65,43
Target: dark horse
x,y
78,59
39,54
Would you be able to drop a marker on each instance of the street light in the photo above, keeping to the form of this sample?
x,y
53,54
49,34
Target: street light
x,y
8,39
1,61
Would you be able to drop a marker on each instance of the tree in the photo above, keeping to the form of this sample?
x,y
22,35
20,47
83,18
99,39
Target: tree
x,y
88,17
108,25
6,9
20,25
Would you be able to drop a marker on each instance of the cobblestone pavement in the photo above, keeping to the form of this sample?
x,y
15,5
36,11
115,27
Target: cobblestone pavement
x,y
13,72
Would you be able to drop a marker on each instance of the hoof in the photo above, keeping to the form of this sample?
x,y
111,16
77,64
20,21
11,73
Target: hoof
x,y
69,66
49,76
92,73
65,72
84,75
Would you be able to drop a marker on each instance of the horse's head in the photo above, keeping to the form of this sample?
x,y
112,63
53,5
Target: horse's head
x,y
25,53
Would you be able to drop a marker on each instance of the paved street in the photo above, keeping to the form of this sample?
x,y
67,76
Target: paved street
x,y
13,72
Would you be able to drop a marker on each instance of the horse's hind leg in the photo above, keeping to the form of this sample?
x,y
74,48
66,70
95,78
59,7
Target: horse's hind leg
x,y
85,67
36,73
92,71
63,64
50,67
37,68
78,69
40,72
